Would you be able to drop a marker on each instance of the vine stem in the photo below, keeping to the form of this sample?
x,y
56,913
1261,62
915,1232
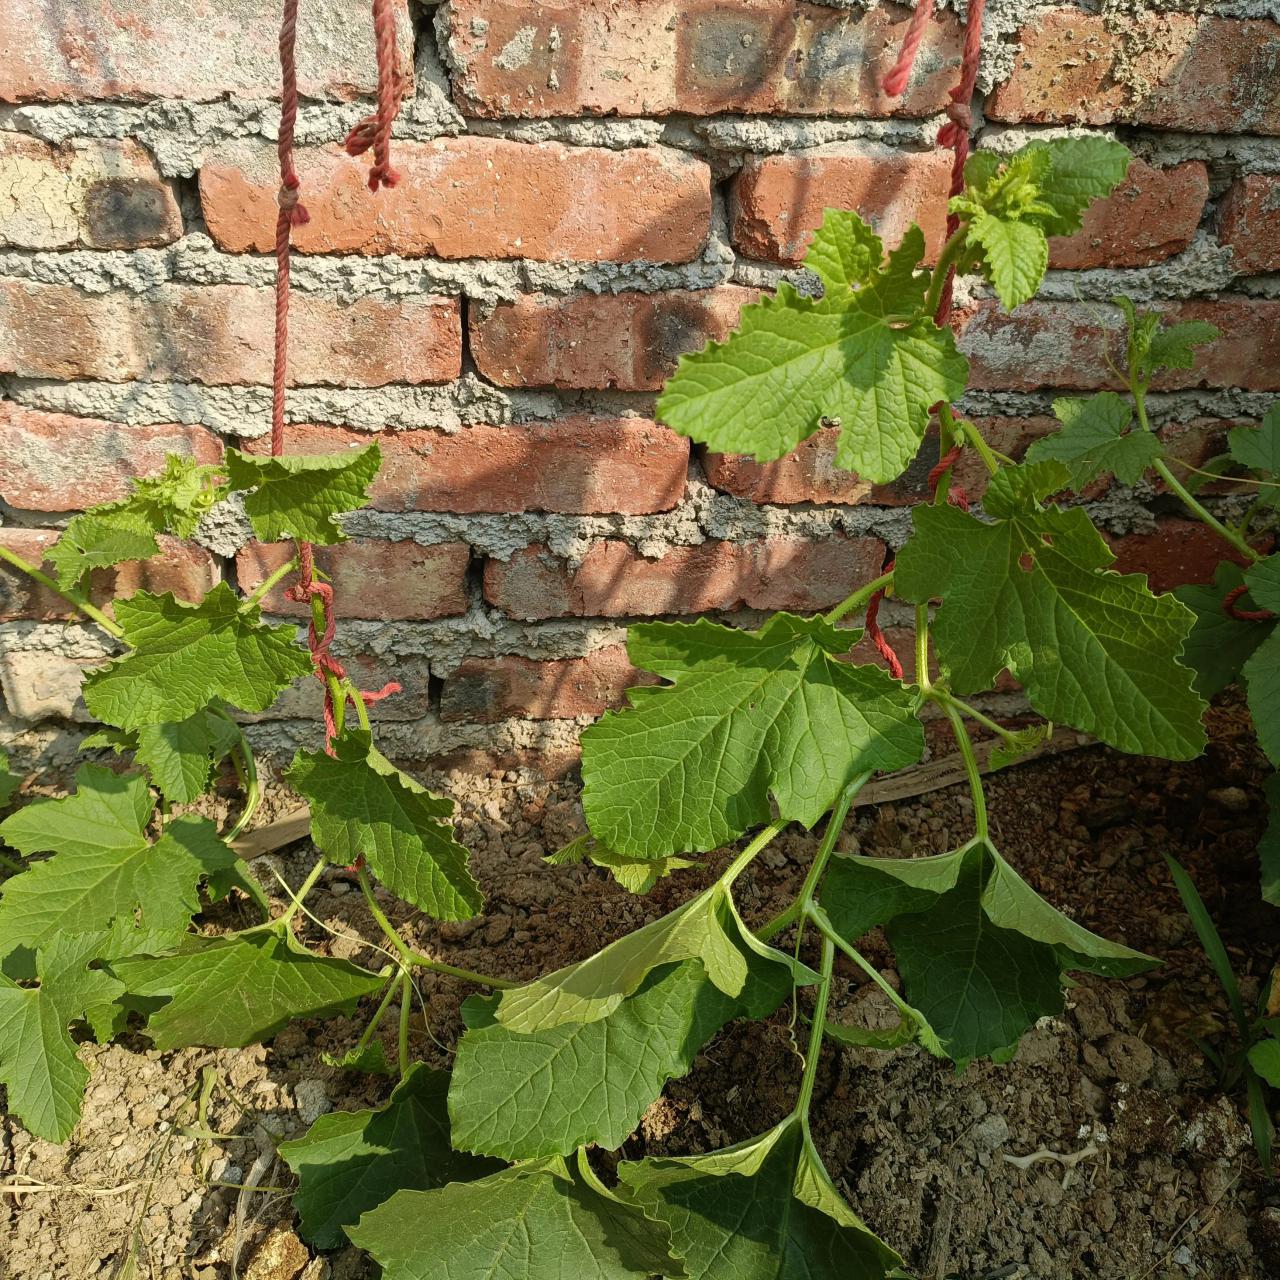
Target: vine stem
x,y
947,259
416,959
297,898
972,772
73,598
378,1014
858,598
268,582
406,1007
985,451
747,856
1139,392
817,1031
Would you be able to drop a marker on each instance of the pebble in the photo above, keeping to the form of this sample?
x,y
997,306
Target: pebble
x,y
1232,799
311,1099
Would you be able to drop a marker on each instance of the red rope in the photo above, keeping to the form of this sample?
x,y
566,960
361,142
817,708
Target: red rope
x,y
896,81
1243,615
956,496
375,130
883,647
292,214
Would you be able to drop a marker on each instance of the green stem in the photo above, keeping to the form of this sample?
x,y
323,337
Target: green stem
x,y
1138,390
416,959
268,582
362,712
73,598
985,452
246,767
828,930
971,770
922,650
945,698
745,858
378,1014
858,598
297,899
406,1007
818,1029
947,259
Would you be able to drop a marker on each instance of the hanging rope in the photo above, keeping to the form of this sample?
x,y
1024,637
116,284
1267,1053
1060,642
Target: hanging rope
x,y
1230,608
375,131
883,647
308,590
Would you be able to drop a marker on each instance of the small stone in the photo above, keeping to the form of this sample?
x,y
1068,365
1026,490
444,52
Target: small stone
x,y
311,1099
281,1256
991,1132
339,887
1131,1059
1232,799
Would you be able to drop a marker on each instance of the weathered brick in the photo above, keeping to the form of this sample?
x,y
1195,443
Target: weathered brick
x,y
1249,221
139,49
223,335
371,578
1178,552
1065,344
577,465
1150,216
39,685
1167,70
484,690
55,462
809,473
627,340
615,580
651,57
471,198
778,201
100,194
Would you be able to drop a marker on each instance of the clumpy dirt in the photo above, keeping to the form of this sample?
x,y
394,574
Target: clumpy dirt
x,y
1105,1149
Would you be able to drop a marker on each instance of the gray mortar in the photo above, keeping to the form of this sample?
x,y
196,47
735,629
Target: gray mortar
x,y
67,639
246,411
225,528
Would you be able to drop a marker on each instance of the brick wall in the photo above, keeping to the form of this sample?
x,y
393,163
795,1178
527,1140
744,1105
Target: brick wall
x,y
589,189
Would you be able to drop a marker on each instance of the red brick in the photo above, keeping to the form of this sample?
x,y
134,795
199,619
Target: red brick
x,y
1064,344
778,201
188,571
1167,70
472,198
92,194
1151,215
485,690
139,49
577,465
55,462
810,474
1178,552
652,57
372,578
1249,221
627,340
615,580
304,699
223,335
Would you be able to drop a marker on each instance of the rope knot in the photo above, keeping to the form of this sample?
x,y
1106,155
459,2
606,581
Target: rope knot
x,y
290,203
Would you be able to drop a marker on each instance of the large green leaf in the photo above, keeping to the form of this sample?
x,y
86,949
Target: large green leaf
x,y
98,539
1258,448
863,357
635,875
180,755
549,1092
1015,255
9,782
361,804
103,866
352,1161
1269,846
763,1210
536,1221
1264,1058
1262,671
753,719
187,656
1080,171
1219,645
237,991
1095,440
297,497
706,928
1030,592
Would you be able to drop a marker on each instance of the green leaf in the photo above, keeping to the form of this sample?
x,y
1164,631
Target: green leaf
x,y
532,1222
551,1091
361,804
352,1161
866,359
231,992
1269,846
104,868
705,928
370,1058
180,755
1015,256
297,497
754,719
1219,645
1153,345
1030,592
845,253
176,500
1264,1058
1258,448
635,875
9,782
1262,671
1080,171
1019,743
186,656
763,1210
1095,440
98,539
